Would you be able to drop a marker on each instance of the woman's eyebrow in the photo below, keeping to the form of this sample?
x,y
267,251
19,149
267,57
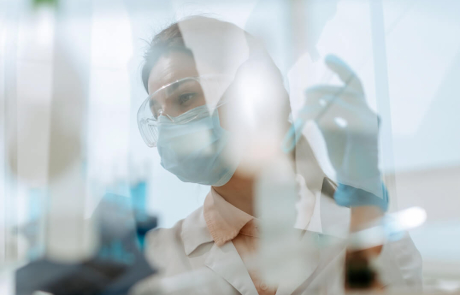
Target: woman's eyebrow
x,y
167,92
173,87
164,92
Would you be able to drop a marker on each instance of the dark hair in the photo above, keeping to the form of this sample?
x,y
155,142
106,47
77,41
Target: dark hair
x,y
168,40
171,39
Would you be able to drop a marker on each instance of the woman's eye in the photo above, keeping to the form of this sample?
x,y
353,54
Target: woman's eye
x,y
183,98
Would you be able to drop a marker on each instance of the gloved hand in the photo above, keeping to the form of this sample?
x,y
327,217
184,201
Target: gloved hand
x,y
350,129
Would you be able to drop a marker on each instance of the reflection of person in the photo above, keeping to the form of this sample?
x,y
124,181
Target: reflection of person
x,y
188,116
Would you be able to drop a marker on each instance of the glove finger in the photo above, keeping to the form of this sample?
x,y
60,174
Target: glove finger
x,y
349,118
331,112
346,94
345,73
321,94
334,119
315,103
323,102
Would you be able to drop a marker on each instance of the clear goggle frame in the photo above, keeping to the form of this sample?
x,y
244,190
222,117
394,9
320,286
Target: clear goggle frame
x,y
170,102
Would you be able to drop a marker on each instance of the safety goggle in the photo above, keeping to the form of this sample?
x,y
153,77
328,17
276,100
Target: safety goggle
x,y
173,102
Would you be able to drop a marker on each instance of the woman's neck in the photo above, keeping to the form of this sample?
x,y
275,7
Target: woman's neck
x,y
238,191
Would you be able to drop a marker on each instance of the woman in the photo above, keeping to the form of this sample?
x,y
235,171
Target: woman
x,y
217,112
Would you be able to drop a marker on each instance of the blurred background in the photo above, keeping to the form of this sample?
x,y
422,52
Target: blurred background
x,y
70,89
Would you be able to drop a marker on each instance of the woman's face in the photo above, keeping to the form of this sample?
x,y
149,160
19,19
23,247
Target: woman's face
x,y
179,97
255,113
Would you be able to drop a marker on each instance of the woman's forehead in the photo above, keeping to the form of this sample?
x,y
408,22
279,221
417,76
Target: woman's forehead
x,y
169,68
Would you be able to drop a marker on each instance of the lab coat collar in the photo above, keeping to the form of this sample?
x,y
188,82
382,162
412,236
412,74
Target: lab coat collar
x,y
194,231
310,255
225,221
226,262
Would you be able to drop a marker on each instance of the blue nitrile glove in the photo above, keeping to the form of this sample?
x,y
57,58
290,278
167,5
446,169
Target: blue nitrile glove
x,y
350,129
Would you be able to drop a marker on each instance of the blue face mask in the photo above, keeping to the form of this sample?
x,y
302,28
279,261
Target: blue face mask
x,y
196,151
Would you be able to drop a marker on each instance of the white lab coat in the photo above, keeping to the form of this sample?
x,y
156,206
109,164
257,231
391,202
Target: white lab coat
x,y
188,258
188,247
